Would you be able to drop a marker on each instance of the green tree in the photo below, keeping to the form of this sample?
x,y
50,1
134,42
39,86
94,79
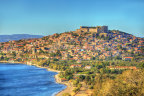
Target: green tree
x,y
66,94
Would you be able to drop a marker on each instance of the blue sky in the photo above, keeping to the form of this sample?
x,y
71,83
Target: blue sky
x,y
46,17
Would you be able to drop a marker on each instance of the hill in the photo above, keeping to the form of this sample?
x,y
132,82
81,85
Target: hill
x,y
86,43
86,57
5,38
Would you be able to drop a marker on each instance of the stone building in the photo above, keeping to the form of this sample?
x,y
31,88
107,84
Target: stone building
x,y
97,29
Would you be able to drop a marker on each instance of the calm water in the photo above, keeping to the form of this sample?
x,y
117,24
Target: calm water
x,y
25,80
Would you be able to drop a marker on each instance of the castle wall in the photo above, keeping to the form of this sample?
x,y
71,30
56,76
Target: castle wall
x,y
83,29
93,30
98,29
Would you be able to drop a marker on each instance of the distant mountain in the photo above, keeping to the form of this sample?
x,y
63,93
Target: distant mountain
x,y
5,38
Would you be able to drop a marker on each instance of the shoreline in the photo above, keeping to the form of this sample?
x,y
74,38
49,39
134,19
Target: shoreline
x,y
57,78
68,85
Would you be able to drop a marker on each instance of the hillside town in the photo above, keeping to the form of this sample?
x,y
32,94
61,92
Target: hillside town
x,y
86,43
86,59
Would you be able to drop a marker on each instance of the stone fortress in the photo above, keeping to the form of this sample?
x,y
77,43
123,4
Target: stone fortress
x,y
97,29
101,30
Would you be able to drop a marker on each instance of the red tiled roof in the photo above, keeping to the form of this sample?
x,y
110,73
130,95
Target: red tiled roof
x,y
19,45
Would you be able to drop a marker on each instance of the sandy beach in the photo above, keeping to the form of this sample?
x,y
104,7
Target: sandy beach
x,y
69,87
67,83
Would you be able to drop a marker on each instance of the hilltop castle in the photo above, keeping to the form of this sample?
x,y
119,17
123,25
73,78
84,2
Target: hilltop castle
x,y
97,29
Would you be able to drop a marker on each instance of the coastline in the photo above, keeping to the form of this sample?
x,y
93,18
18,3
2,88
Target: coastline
x,y
57,78
68,85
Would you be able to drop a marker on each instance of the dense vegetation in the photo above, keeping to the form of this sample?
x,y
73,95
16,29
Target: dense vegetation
x,y
129,83
102,80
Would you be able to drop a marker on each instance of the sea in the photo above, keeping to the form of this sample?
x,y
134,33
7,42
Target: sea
x,y
26,80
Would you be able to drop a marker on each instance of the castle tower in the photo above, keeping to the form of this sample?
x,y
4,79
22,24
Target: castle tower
x,y
104,29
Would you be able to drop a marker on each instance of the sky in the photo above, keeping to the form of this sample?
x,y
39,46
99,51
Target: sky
x,y
46,17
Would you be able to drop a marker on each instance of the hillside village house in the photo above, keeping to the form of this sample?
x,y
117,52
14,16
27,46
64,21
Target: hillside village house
x,y
76,66
88,67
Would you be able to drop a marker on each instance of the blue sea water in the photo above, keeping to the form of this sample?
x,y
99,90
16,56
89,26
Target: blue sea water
x,y
25,80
